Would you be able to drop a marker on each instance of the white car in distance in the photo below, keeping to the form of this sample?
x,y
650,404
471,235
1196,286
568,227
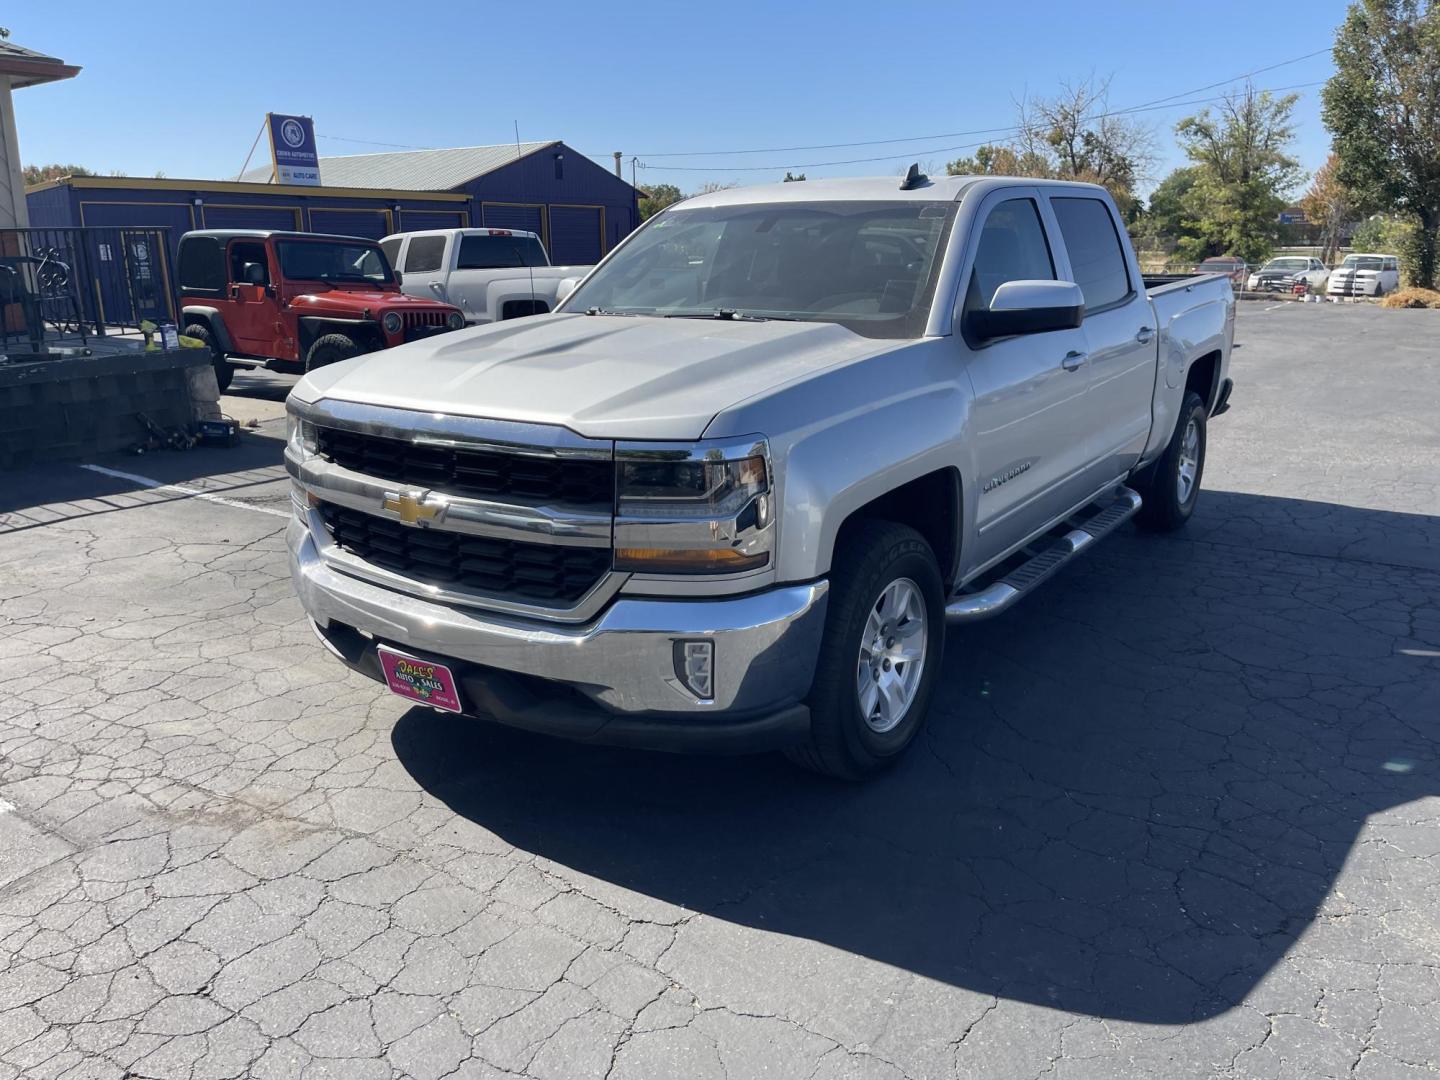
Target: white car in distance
x,y
1285,272
1365,275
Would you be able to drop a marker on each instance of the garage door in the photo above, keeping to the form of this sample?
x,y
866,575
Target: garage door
x,y
250,217
420,220
512,216
575,237
369,223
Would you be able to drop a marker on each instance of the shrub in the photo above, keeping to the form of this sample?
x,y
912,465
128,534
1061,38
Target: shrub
x,y
1412,298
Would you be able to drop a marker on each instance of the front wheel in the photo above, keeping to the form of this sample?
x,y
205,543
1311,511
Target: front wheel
x,y
330,349
1170,487
880,653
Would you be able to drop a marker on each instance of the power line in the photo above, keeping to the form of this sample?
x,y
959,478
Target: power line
x,y
372,142
977,131
927,151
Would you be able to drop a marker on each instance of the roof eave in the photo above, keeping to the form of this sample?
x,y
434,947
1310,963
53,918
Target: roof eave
x,y
34,72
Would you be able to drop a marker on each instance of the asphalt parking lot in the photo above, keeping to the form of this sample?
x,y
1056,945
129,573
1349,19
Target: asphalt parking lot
x,y
1178,815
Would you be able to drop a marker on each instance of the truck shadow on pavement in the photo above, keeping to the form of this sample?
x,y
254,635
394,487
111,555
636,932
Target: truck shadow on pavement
x,y
1137,791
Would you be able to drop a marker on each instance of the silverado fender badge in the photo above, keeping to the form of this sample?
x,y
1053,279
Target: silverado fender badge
x,y
410,507
1008,475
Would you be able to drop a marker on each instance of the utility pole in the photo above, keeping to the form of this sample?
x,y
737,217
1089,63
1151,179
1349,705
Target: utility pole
x,y
632,173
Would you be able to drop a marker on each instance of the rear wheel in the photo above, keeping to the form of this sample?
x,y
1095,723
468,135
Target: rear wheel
x,y
1170,487
330,349
224,370
880,653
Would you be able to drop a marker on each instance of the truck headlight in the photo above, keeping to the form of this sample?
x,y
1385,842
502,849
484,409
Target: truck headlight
x,y
300,436
392,322
693,508
455,321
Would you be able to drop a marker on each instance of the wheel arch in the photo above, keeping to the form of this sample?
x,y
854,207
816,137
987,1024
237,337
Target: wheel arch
x,y
1203,377
931,504
212,320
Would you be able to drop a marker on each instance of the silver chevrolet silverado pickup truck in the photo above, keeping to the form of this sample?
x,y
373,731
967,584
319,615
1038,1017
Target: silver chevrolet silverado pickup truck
x,y
728,496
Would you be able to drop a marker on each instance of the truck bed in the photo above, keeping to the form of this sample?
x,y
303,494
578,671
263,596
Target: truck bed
x,y
1157,283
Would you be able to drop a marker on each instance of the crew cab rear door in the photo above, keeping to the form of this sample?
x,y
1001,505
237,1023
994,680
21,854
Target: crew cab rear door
x,y
1120,331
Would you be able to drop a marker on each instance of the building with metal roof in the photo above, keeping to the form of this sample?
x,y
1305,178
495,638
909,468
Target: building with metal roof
x,y
580,209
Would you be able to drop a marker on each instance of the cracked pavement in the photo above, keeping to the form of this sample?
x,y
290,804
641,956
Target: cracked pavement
x,y
1177,815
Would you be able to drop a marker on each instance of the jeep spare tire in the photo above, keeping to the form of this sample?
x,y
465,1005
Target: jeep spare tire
x,y
330,349
224,370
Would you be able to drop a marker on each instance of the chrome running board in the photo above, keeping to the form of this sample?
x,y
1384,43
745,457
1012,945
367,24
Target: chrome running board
x,y
995,597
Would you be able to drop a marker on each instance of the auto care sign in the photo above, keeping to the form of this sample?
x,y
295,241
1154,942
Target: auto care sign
x,y
292,149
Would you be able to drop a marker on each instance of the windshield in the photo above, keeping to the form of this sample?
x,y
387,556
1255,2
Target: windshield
x,y
1286,264
499,252
1361,262
321,260
869,266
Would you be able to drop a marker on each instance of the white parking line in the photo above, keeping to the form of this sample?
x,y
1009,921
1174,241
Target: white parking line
x,y
182,489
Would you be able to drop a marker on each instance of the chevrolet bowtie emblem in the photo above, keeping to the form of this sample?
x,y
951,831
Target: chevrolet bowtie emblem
x,y
410,507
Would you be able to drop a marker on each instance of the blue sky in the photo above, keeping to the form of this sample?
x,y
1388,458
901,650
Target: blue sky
x,y
183,88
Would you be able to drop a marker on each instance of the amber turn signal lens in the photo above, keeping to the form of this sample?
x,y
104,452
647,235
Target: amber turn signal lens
x,y
687,561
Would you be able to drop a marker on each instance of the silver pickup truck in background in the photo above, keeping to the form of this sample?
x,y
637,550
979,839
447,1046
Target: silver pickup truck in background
x,y
489,274
728,496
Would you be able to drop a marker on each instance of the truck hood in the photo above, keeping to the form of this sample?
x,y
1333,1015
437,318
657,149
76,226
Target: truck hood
x,y
601,376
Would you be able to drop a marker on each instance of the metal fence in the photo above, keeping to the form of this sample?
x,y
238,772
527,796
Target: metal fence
x,y
83,281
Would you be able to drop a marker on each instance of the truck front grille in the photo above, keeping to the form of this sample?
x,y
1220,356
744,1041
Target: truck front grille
x,y
579,482
487,566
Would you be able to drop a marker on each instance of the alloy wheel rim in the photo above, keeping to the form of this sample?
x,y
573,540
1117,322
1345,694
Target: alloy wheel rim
x,y
892,655
1189,469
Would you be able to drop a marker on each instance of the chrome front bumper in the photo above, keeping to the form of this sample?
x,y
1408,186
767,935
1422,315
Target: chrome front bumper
x,y
622,661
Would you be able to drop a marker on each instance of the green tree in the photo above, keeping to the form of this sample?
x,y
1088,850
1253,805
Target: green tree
x,y
38,174
1383,108
1244,173
1383,233
790,178
657,198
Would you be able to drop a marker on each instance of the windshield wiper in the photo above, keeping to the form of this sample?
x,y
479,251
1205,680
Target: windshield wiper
x,y
728,315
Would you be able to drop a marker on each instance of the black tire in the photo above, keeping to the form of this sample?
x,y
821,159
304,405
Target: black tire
x,y
330,349
1164,510
224,370
869,557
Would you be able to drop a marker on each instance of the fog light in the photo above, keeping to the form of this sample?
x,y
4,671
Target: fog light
x,y
695,667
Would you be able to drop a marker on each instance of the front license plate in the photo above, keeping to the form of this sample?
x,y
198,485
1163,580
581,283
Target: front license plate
x,y
419,680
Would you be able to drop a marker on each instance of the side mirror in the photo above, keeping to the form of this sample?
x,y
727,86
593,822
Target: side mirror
x,y
255,274
565,288
1029,307
399,278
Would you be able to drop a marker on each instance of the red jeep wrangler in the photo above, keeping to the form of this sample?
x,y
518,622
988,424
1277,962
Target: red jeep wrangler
x,y
296,301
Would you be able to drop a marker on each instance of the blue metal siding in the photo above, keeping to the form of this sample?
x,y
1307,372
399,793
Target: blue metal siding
x,y
370,222
582,183
51,209
578,231
420,220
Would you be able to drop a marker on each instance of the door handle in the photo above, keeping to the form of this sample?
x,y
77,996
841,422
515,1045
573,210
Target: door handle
x,y
1144,334
1074,361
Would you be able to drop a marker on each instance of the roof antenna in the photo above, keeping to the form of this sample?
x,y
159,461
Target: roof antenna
x,y
913,178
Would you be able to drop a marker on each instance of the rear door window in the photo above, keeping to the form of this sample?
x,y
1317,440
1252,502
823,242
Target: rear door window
x,y
1097,259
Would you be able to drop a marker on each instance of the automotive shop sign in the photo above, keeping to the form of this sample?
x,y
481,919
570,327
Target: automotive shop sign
x,y
292,149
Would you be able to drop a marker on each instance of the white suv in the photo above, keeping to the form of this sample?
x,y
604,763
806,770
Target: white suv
x,y
1365,275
